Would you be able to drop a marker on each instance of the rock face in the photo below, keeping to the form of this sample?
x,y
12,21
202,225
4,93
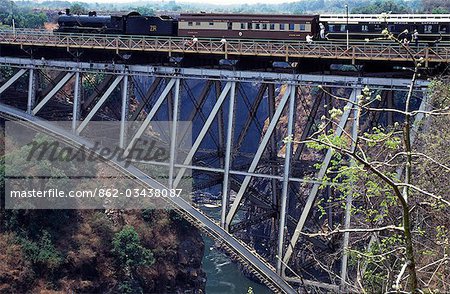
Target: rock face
x,y
76,254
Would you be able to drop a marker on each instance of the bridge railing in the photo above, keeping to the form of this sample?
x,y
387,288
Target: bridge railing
x,y
357,50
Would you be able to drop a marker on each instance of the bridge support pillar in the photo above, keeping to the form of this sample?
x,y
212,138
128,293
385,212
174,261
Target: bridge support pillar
x,y
257,157
173,132
76,101
124,110
315,189
273,152
228,149
286,174
348,202
31,90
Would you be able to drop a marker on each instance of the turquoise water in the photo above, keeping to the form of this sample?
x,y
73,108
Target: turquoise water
x,y
224,276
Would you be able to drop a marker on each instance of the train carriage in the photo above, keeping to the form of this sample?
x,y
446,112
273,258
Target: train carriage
x,y
430,27
244,26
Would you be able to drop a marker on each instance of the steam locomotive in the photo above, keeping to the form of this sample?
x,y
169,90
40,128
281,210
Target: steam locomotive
x,y
260,26
130,24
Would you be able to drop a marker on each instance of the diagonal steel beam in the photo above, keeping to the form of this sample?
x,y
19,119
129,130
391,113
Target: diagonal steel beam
x,y
97,91
309,124
251,116
150,115
99,104
12,80
197,107
252,221
315,188
58,87
252,195
146,99
203,131
258,156
52,83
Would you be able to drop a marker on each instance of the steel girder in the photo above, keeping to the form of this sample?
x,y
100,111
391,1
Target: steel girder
x,y
265,163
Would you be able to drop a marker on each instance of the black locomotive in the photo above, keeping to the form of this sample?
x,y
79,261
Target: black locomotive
x,y
130,24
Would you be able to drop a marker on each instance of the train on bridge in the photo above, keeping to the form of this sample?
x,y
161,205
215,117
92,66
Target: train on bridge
x,y
262,26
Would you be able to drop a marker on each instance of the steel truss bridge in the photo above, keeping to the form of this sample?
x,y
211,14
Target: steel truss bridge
x,y
268,186
285,50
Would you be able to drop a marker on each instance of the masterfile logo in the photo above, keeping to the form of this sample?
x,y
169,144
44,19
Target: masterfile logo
x,y
44,171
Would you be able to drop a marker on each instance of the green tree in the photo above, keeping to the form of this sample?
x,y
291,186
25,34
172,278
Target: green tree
x,y
436,6
42,253
78,8
145,10
439,10
128,249
383,182
380,6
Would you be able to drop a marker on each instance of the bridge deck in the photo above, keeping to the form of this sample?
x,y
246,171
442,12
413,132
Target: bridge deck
x,y
289,50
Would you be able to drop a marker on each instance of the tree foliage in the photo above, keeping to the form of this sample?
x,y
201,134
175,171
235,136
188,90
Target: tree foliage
x,y
396,192
383,6
129,250
23,17
78,8
436,6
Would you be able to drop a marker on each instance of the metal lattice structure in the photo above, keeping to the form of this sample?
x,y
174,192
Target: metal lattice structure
x,y
288,50
232,110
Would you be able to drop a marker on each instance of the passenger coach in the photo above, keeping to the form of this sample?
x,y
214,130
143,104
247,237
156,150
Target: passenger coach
x,y
257,26
430,27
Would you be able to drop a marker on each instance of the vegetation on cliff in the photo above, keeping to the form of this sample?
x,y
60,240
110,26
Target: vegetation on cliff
x,y
92,251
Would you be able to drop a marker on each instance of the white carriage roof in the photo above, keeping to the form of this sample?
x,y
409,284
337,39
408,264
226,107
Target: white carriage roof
x,y
386,17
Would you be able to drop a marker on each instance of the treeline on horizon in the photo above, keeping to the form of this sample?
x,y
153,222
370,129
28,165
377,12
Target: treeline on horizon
x,y
301,6
31,14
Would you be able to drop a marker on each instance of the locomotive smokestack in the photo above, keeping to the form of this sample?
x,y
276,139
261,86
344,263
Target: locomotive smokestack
x,y
67,11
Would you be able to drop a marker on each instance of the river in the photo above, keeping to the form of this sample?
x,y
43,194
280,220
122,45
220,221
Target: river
x,y
223,275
